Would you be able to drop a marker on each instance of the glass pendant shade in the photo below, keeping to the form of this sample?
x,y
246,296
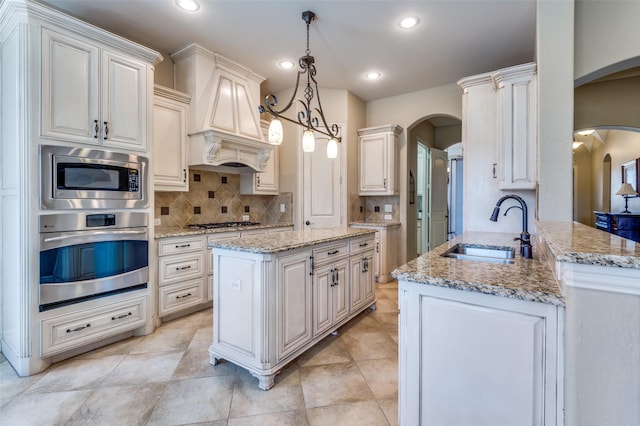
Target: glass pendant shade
x,y
332,148
308,141
275,132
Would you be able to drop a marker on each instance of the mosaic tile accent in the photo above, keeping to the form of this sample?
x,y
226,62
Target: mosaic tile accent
x,y
210,194
363,209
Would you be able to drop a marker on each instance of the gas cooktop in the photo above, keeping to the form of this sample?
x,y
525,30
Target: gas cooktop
x,y
221,225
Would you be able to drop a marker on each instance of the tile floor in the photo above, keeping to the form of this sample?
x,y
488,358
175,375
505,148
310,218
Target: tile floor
x,y
166,379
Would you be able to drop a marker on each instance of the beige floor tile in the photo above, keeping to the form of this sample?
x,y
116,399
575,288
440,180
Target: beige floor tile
x,y
144,368
370,345
330,350
366,413
390,284
381,376
122,347
386,305
332,384
12,385
195,363
249,400
130,405
394,336
165,340
388,320
363,323
289,418
189,321
194,400
75,374
202,338
390,409
52,408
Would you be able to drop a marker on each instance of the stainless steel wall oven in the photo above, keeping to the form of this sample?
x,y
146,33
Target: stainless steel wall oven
x,y
87,255
91,179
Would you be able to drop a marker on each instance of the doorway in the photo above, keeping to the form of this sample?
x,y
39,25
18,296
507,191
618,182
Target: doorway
x,y
432,215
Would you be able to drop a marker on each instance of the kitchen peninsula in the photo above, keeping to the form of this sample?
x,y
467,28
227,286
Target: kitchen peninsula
x,y
532,338
277,295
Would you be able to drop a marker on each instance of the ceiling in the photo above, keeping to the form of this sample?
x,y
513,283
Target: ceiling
x,y
454,39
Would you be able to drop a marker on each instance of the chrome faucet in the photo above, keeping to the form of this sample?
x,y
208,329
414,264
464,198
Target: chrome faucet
x,y
525,238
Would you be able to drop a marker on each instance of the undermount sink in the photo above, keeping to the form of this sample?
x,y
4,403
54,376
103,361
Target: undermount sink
x,y
481,253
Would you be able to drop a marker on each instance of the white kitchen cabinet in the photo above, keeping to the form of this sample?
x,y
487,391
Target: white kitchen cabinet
x,y
91,93
387,238
362,279
170,118
266,182
378,165
516,123
271,307
471,358
182,274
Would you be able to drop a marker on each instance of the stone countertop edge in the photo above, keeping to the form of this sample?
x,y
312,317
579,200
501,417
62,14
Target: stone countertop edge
x,y
573,242
182,232
288,240
380,223
525,279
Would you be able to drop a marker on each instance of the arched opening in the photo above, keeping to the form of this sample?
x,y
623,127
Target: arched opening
x,y
428,164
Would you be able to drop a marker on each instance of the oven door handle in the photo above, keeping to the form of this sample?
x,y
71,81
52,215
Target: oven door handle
x,y
82,237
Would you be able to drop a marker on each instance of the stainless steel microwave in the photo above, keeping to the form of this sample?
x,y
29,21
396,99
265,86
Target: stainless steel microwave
x,y
91,179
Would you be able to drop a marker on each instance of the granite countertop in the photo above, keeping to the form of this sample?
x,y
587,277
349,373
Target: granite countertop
x,y
288,240
385,223
573,242
181,232
525,279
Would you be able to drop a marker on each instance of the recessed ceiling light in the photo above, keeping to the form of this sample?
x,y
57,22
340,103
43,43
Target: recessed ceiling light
x,y
586,132
286,64
372,75
408,22
188,5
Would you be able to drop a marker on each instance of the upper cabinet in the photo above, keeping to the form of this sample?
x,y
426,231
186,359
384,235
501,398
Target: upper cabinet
x,y
516,121
170,117
267,181
378,155
92,93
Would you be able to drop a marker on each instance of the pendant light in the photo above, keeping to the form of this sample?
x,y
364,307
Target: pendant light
x,y
308,117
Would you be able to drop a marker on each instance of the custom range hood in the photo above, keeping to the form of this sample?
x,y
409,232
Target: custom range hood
x,y
224,123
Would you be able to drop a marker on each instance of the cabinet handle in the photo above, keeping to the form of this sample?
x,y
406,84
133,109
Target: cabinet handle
x,y
121,316
183,268
183,296
78,329
257,179
494,170
377,247
184,175
337,277
331,253
106,130
95,129
385,183
312,265
365,264
183,245
364,244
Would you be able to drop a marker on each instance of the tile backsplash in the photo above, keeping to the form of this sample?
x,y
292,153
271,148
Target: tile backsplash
x,y
215,197
372,208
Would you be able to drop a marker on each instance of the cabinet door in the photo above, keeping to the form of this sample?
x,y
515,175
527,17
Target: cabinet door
x,y
70,89
367,278
356,284
340,292
170,145
323,280
267,181
374,163
293,299
124,102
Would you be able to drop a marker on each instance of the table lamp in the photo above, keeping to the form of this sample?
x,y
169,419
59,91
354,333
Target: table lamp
x,y
626,190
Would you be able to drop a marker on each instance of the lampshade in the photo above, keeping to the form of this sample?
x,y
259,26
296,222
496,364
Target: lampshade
x,y
626,189
275,132
308,141
332,148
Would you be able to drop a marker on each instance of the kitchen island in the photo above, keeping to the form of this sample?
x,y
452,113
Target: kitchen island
x,y
479,341
276,295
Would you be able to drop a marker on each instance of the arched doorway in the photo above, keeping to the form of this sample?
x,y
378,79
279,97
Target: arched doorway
x,y
428,165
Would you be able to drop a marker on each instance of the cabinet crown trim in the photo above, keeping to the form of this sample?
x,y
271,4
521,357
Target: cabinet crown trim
x,y
392,128
513,73
172,94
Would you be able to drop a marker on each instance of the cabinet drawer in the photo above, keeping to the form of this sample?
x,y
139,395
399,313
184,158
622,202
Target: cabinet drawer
x,y
180,245
361,244
222,236
179,296
183,267
330,252
71,331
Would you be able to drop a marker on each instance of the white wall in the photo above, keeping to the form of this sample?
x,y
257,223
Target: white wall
x,y
607,37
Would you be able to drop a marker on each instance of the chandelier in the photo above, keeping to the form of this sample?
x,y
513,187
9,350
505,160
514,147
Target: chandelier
x,y
308,117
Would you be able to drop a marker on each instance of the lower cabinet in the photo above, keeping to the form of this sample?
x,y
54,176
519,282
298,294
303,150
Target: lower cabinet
x,y
471,358
386,253
271,307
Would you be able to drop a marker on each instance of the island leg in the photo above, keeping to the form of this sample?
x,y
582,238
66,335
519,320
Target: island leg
x,y
265,382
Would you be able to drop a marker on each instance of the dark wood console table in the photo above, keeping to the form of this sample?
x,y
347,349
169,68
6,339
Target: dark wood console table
x,y
624,225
